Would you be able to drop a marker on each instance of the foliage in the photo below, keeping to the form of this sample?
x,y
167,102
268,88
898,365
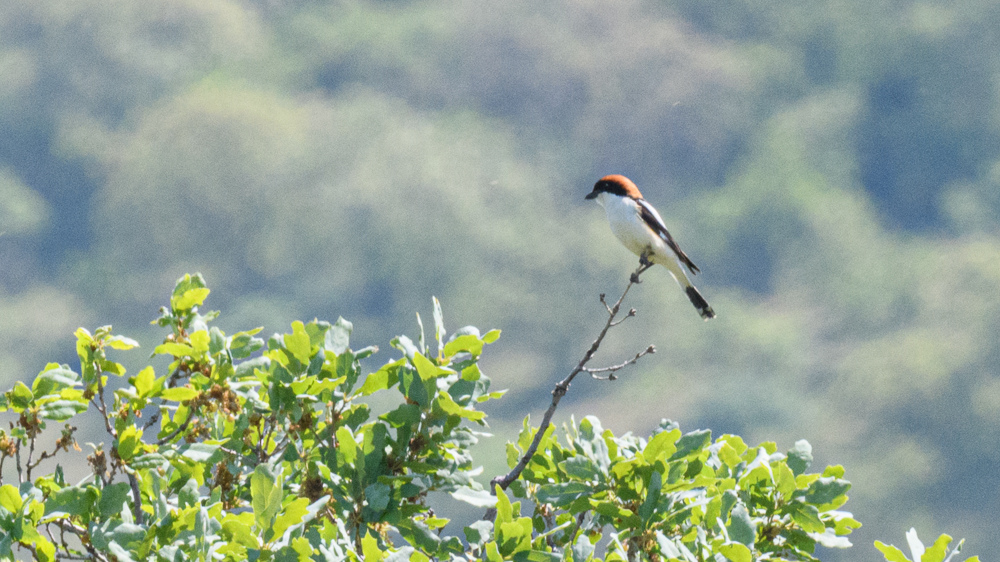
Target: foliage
x,y
937,552
675,496
271,455
271,451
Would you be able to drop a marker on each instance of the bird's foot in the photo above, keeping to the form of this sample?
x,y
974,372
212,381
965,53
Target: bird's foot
x,y
644,264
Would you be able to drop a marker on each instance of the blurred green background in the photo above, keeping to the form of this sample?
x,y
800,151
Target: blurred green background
x,y
832,167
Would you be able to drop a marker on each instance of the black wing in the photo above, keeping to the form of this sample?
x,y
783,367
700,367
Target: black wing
x,y
653,221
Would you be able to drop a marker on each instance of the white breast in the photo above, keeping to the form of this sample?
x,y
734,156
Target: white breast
x,y
623,214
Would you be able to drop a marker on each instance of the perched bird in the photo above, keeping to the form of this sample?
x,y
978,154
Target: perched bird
x,y
640,229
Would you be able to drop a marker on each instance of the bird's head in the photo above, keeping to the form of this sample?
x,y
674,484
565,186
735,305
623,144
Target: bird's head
x,y
615,184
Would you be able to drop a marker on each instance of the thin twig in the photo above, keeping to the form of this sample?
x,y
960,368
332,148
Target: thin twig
x,y
177,431
152,419
31,453
611,370
17,462
563,386
83,535
102,406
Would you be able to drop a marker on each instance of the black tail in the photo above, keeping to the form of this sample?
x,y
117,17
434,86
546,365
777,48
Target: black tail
x,y
700,303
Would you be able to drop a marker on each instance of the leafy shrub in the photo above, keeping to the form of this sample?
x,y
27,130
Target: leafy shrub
x,y
246,449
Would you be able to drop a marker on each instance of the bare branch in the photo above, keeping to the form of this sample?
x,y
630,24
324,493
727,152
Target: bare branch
x,y
563,386
611,370
152,419
83,535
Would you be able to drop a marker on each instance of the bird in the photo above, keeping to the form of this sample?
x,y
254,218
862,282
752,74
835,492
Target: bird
x,y
638,226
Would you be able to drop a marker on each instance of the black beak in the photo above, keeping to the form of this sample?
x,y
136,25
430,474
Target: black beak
x,y
591,195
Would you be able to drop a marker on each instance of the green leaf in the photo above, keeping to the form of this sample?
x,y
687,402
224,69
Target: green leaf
x,y
421,342
265,494
73,501
563,494
217,341
122,342
583,549
378,495
419,534
661,444
937,551
44,550
244,344
175,349
514,536
741,527
129,442
427,369
729,456
382,379
846,524
10,499
236,530
186,283
827,490
479,532
692,443
648,507
829,539
504,508
449,406
477,498
144,382
611,509
52,379
189,299
581,468
61,410
338,338
491,336
346,445
469,343
302,547
149,460
293,514
370,549
113,498
179,393
20,396
413,388
439,331
806,516
891,553
199,341
201,452
297,343
736,552
784,479
800,457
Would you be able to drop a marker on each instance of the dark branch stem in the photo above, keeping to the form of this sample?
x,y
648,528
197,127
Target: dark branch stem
x,y
101,405
80,532
180,429
137,514
562,387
